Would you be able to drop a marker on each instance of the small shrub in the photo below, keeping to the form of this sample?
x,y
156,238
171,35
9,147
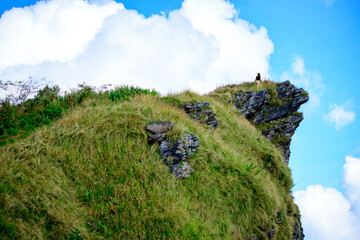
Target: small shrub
x,y
279,219
125,93
7,229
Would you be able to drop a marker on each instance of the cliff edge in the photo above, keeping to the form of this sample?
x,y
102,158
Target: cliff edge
x,y
274,112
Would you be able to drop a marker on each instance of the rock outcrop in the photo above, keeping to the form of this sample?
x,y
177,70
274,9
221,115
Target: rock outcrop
x,y
298,233
274,112
176,152
173,153
159,127
158,130
200,111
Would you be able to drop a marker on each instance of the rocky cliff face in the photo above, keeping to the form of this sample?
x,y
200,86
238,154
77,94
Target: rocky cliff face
x,y
274,112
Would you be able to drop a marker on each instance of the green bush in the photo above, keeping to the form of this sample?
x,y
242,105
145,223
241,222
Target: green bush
x,y
125,93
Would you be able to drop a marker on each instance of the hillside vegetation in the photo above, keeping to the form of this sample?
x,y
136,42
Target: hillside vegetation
x,y
91,174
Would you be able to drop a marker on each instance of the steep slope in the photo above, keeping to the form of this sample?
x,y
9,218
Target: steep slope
x,y
93,174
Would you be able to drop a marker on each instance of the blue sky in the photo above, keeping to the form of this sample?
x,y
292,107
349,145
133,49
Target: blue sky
x,y
313,43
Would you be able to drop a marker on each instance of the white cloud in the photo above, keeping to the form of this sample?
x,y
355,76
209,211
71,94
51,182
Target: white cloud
x,y
298,66
50,31
339,116
200,46
311,81
352,182
329,214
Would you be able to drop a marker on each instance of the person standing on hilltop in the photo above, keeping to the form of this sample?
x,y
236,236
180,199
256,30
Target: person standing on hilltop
x,y
257,80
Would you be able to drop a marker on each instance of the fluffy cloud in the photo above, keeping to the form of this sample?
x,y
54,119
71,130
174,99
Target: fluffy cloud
x,y
339,116
311,81
200,46
352,183
329,214
50,31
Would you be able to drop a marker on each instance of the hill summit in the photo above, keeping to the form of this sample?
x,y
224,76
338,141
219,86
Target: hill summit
x,y
183,166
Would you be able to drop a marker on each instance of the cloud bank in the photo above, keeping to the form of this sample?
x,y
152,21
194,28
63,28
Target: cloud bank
x,y
311,81
200,46
329,214
339,116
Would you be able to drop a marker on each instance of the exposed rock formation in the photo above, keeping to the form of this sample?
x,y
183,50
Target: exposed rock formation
x,y
175,153
181,170
200,112
158,130
159,127
298,233
274,112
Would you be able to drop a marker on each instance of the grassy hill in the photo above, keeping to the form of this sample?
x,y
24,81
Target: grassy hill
x,y
93,175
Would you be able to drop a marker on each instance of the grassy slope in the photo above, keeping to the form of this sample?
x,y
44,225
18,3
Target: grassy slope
x,y
103,180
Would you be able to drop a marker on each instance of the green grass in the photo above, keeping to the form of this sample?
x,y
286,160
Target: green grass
x,y
48,106
91,174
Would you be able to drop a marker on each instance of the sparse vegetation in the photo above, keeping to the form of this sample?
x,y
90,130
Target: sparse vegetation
x,y
273,100
304,93
231,89
91,173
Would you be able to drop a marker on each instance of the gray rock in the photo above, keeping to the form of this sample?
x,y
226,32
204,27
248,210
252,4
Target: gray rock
x,y
270,234
200,111
255,106
283,118
298,233
292,98
248,103
156,137
196,106
282,132
191,142
159,127
173,153
181,170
